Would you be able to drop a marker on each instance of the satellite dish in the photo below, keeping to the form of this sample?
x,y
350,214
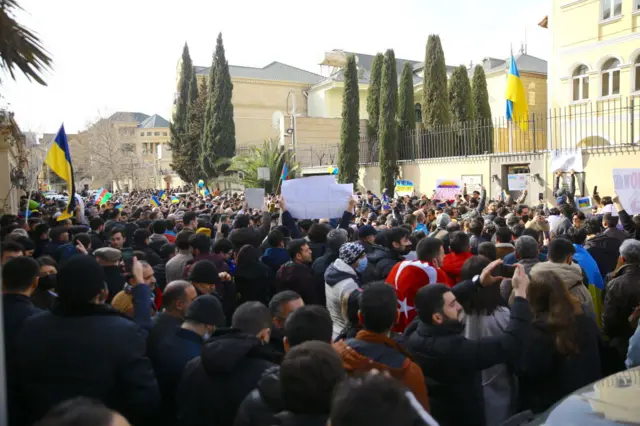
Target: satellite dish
x,y
277,119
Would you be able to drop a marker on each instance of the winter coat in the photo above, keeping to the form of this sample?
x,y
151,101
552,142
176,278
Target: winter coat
x,y
321,264
560,226
571,276
370,350
475,241
214,384
225,290
175,266
317,250
381,262
114,279
452,264
341,280
163,326
545,375
621,298
169,361
88,350
503,249
152,257
254,282
616,233
299,278
633,355
604,249
452,364
156,241
160,274
499,387
506,288
275,257
260,407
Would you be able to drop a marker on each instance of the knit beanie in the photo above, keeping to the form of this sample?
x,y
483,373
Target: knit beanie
x,y
351,252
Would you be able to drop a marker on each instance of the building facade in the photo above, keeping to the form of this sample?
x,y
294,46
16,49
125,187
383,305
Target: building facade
x,y
13,164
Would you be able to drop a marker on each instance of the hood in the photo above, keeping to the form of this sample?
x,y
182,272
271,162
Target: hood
x,y
269,389
528,264
570,274
339,271
275,254
223,352
380,253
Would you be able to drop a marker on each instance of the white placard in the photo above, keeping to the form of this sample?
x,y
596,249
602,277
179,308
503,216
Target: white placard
x,y
473,182
517,182
627,185
254,197
316,197
567,161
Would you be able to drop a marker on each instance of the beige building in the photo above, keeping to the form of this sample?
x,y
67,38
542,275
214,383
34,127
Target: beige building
x,y
13,164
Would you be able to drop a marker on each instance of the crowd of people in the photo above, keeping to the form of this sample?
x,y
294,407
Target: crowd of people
x,y
404,311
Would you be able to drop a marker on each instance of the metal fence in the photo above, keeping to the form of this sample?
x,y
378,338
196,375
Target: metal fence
x,y
597,126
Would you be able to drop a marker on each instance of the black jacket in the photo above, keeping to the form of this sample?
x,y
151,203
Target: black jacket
x,y
263,403
475,241
163,326
545,375
381,262
89,350
604,248
214,384
299,278
160,273
321,264
317,250
254,282
152,257
452,364
114,279
621,297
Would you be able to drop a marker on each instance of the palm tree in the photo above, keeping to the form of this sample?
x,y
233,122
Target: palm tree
x,y
19,47
270,155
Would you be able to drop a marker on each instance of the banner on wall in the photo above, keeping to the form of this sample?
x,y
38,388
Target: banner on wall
x,y
447,189
627,185
567,161
517,182
404,187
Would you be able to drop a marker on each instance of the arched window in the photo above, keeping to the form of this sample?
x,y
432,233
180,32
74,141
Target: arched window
x,y
418,108
611,77
580,83
636,69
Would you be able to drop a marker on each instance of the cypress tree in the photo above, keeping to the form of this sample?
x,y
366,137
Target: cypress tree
x,y
348,171
388,127
460,96
434,91
406,113
373,96
179,120
220,131
482,109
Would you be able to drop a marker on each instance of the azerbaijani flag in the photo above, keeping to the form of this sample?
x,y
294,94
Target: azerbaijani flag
x,y
285,172
101,193
106,198
517,107
154,201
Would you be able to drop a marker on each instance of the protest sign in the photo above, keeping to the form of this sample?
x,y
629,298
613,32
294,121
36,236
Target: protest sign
x,y
627,185
316,197
473,182
583,203
254,197
404,187
517,182
447,189
567,160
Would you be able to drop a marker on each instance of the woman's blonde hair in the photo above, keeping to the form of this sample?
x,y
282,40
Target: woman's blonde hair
x,y
123,302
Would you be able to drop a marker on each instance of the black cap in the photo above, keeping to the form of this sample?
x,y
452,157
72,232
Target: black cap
x,y
206,309
366,231
80,280
205,272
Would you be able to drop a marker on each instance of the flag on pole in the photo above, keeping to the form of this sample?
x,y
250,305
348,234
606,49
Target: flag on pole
x,y
174,199
285,172
162,195
59,160
154,201
101,193
517,107
106,198
118,206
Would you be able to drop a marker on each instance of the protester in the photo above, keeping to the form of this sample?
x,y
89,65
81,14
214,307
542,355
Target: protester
x,y
335,239
504,245
366,236
44,296
383,258
109,259
342,278
276,255
254,281
79,334
175,266
11,250
527,255
297,275
373,348
460,251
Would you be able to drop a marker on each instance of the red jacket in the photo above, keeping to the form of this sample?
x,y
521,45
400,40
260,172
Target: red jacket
x,y
407,277
453,264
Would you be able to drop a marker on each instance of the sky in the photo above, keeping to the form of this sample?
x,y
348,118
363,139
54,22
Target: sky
x,y
122,55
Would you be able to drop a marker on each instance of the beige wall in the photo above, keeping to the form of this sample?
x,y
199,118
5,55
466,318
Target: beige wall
x,y
318,140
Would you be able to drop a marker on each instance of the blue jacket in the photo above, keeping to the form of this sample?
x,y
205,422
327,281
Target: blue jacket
x,y
275,257
589,266
633,356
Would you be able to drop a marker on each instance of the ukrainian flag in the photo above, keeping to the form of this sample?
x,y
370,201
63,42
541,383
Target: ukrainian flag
x,y
175,199
154,201
59,160
517,107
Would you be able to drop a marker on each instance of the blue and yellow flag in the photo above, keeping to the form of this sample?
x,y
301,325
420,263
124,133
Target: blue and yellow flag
x,y
154,201
59,161
162,195
174,199
517,107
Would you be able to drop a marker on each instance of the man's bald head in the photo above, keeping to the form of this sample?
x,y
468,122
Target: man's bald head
x,y
177,297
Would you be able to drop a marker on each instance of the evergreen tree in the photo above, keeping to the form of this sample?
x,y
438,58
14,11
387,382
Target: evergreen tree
x,y
348,159
406,113
179,120
388,127
373,96
219,142
482,109
434,93
460,96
